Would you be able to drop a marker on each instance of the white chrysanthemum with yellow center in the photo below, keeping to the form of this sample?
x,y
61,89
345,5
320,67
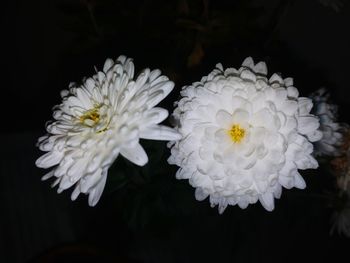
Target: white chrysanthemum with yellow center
x,y
243,136
100,119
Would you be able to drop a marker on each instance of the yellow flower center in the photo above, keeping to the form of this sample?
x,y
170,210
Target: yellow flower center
x,y
90,117
236,133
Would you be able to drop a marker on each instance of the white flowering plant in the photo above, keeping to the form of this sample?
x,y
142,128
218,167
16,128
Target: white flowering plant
x,y
100,119
244,136
238,136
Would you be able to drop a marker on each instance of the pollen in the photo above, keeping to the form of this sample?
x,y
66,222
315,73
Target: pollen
x,y
90,117
236,133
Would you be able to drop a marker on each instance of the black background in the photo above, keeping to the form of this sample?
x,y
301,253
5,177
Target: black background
x,y
48,44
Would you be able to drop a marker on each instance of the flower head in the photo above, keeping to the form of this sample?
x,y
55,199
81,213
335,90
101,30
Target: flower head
x,y
332,131
100,119
243,136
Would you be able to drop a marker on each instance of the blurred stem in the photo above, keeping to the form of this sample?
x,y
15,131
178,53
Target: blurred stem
x,y
280,11
90,8
206,9
321,196
325,197
183,8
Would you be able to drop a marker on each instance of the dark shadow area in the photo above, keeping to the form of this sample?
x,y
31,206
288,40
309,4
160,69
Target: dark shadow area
x,y
145,214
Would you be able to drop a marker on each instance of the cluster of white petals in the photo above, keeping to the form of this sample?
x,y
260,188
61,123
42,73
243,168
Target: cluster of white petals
x,y
103,117
332,131
244,136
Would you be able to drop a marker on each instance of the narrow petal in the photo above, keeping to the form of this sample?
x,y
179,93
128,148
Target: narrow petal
x,y
48,175
108,64
160,132
49,159
136,155
89,181
162,90
155,116
299,181
267,201
96,192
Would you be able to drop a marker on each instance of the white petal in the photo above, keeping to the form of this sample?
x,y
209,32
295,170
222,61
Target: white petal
x,y
248,75
240,116
200,195
278,191
292,92
219,66
136,154
305,106
276,78
108,64
75,193
154,74
267,201
261,68
49,159
286,181
289,82
248,62
89,181
121,59
224,119
222,137
299,181
96,192
48,175
290,107
222,207
162,90
263,118
308,124
258,134
243,203
160,132
315,136
155,116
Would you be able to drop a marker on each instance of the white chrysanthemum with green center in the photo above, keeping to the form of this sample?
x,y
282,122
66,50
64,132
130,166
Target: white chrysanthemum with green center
x,y
243,136
100,119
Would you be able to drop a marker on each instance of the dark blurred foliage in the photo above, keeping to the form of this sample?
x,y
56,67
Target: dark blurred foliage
x,y
145,214
184,38
336,5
